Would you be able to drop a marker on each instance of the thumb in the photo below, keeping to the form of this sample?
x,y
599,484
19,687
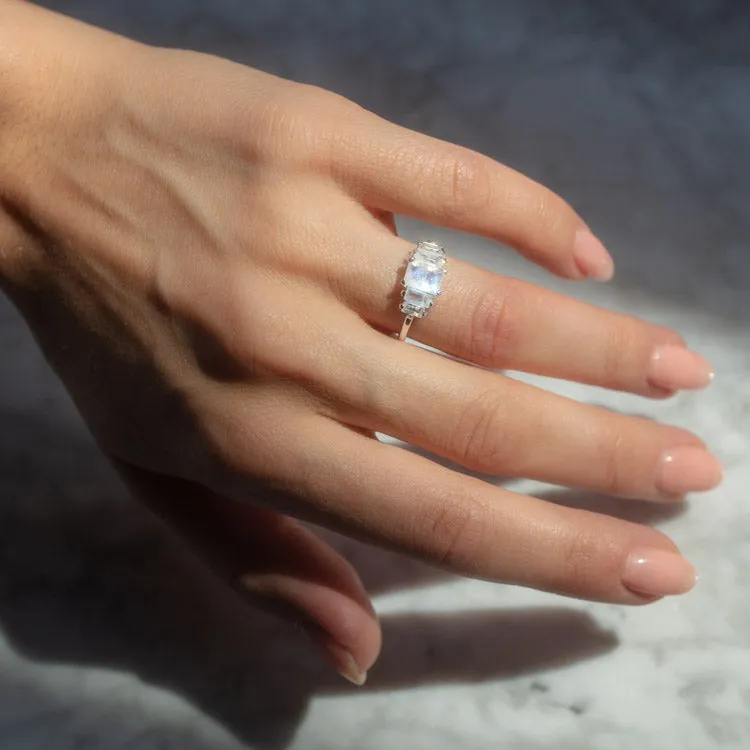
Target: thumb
x,y
273,560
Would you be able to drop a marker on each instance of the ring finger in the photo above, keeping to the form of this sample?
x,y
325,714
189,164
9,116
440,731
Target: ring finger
x,y
500,322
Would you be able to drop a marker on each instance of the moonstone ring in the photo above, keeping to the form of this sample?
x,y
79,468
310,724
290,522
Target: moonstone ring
x,y
422,282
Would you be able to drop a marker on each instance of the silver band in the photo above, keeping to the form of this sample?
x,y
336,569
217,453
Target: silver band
x,y
422,282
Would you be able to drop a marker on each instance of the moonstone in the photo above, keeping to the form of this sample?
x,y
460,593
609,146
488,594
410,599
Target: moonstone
x,y
423,279
415,302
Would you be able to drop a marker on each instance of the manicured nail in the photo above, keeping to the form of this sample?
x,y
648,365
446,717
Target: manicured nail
x,y
675,367
688,469
591,257
337,656
656,572
343,662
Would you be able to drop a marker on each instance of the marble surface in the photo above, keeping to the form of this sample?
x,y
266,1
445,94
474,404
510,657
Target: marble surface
x,y
112,636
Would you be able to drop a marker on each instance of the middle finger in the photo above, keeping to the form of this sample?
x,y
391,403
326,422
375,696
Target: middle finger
x,y
492,423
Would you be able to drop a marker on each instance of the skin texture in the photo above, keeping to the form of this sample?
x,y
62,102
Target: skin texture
x,y
207,256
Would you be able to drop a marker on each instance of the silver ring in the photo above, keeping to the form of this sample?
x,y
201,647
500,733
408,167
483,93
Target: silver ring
x,y
422,282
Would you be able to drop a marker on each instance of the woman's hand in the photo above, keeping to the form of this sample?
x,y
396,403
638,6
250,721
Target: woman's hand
x,y
207,256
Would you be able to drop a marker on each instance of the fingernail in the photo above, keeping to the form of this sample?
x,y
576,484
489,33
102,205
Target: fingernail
x,y
656,572
343,662
337,656
591,257
688,469
675,367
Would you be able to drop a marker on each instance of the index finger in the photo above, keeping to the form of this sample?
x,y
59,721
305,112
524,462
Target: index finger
x,y
395,169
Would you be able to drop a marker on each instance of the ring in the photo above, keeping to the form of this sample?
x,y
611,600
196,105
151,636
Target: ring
x,y
422,282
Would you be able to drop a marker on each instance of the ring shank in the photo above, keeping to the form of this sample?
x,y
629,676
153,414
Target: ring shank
x,y
408,320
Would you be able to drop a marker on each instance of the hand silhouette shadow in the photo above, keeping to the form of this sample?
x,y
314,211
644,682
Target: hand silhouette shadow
x,y
483,645
90,578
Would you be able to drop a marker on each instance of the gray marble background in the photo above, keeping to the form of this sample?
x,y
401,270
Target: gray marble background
x,y
112,636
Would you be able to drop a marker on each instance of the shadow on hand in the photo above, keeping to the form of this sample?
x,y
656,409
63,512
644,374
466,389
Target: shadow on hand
x,y
636,511
90,578
453,465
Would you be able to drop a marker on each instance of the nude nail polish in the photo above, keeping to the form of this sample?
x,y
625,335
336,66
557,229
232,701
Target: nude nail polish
x,y
336,655
687,468
676,367
343,662
656,572
591,257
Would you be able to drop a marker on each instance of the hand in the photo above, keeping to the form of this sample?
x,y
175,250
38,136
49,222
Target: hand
x,y
207,256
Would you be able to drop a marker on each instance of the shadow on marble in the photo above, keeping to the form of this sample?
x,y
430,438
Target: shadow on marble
x,y
89,578
483,645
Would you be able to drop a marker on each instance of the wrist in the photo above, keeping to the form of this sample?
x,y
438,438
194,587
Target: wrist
x,y
53,72
13,96
13,92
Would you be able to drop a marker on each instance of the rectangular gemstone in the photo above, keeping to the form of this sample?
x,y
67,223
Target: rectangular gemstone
x,y
431,251
424,277
415,303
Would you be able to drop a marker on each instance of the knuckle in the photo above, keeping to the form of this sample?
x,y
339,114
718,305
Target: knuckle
x,y
295,123
616,353
457,527
467,181
580,561
491,338
268,127
480,435
550,211
614,462
214,329
664,335
238,337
